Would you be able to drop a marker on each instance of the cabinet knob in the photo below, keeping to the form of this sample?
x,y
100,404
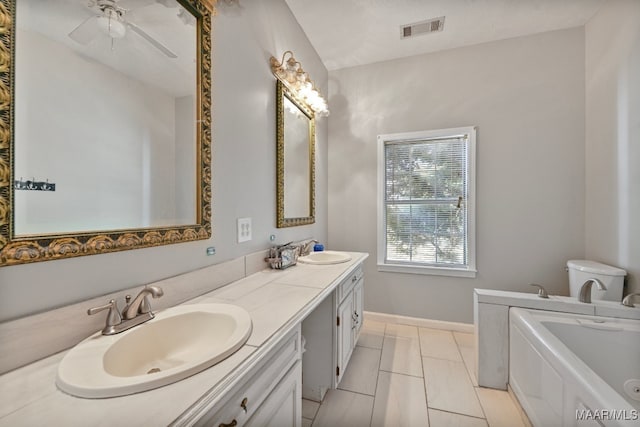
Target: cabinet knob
x,y
243,404
231,424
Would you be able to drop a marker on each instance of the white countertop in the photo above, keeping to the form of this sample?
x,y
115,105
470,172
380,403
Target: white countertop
x,y
276,299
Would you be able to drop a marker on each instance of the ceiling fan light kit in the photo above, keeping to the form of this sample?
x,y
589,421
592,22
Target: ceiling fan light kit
x,y
111,25
111,20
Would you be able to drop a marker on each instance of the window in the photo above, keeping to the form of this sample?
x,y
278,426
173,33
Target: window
x,y
426,202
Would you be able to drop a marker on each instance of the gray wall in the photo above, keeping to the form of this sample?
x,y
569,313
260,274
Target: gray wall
x,y
613,137
244,38
527,97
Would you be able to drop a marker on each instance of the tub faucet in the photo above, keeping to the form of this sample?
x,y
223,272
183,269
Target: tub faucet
x,y
140,304
585,290
628,300
542,292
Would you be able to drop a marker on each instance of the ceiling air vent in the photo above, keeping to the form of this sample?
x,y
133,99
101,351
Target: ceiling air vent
x,y
424,27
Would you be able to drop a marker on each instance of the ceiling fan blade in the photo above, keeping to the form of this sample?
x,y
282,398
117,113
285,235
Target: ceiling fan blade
x,y
151,40
86,31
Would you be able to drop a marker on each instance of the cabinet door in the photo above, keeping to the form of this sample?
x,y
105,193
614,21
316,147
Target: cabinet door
x,y
345,333
358,307
283,407
257,385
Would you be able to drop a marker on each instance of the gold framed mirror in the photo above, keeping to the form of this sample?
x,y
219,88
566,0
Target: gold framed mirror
x,y
295,160
105,126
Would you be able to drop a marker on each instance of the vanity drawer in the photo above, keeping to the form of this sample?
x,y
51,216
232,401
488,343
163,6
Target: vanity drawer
x,y
245,399
347,284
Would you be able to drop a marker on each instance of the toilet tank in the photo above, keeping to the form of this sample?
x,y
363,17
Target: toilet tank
x,y
582,270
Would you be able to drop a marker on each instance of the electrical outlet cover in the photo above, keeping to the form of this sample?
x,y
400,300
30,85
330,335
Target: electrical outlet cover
x,y
244,229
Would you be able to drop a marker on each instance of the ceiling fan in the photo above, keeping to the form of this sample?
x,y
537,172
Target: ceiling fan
x,y
110,19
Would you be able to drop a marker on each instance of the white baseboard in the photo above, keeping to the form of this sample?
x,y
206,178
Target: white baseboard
x,y
418,321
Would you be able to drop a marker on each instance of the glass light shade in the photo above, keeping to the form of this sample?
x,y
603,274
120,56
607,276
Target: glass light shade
x,y
111,26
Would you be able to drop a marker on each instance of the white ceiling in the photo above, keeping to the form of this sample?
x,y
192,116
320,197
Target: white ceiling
x,y
347,33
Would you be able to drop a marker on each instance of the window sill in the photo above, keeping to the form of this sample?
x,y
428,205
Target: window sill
x,y
434,271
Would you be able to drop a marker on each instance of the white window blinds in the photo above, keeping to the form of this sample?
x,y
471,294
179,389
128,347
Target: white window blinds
x,y
425,200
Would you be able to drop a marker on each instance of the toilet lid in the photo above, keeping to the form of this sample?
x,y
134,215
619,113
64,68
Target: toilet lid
x,y
595,267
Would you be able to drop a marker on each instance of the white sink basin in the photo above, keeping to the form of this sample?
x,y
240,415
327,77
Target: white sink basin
x,y
177,343
325,257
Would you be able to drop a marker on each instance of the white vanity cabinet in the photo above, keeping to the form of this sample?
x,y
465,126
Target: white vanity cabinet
x,y
283,406
269,394
350,302
331,331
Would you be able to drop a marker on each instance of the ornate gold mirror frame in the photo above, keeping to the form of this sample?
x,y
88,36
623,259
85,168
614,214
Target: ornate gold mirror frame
x,y
282,221
27,249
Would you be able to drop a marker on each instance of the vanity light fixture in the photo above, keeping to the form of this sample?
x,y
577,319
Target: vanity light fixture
x,y
291,73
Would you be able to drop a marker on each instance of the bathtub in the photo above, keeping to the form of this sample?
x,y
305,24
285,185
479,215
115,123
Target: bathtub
x,y
575,370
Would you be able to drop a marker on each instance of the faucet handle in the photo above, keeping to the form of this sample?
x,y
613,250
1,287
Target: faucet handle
x,y
113,317
627,301
127,301
542,292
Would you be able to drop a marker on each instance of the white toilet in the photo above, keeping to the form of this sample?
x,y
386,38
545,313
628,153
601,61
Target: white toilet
x,y
582,270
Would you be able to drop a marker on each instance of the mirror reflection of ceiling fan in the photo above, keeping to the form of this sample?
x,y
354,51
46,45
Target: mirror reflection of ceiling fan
x,y
110,20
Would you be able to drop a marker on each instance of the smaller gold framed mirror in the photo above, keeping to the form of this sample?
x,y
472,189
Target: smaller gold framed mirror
x,y
295,160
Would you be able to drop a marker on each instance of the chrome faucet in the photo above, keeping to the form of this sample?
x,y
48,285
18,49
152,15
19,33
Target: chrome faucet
x,y
140,304
585,290
542,292
628,299
305,248
135,312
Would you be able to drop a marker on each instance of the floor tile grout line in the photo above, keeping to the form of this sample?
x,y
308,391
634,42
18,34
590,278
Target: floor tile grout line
x,y
458,413
355,392
366,346
400,336
375,392
402,373
316,411
424,381
376,384
480,402
446,360
459,352
378,375
467,367
373,407
442,358
470,381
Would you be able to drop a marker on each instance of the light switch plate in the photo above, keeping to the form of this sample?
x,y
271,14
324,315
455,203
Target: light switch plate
x,y
244,229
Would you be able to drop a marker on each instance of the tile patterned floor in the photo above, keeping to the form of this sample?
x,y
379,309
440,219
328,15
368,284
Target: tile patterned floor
x,y
402,375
